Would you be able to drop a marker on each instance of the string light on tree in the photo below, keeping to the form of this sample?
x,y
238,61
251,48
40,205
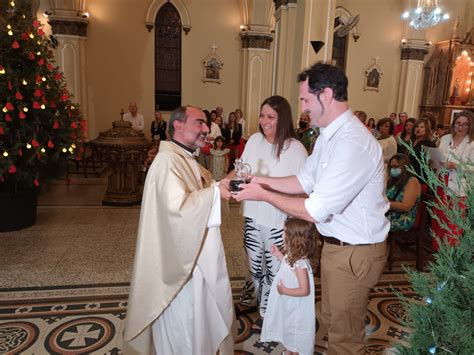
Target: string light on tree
x,y
5,154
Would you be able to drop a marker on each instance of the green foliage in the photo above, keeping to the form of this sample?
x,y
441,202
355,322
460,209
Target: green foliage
x,y
39,124
442,322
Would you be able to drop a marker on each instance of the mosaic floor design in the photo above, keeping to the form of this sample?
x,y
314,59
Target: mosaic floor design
x,y
90,319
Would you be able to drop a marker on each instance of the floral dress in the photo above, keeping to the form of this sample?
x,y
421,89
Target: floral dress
x,y
401,221
219,159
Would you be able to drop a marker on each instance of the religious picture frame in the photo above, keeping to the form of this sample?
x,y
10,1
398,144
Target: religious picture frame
x,y
373,75
212,66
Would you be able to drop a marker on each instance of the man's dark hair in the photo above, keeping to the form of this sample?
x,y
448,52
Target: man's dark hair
x,y
178,114
322,75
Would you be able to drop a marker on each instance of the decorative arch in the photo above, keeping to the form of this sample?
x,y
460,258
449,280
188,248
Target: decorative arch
x,y
180,7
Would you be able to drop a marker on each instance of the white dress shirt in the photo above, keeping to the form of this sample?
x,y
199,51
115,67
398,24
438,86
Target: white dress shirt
x,y
138,122
344,178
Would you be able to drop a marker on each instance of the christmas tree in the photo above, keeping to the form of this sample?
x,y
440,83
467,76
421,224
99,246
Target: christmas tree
x,y
442,321
39,124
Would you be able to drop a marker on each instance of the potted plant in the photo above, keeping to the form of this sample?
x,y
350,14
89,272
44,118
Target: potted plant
x,y
40,126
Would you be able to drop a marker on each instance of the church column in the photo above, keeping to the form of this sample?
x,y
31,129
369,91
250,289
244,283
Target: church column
x,y
257,39
68,23
411,76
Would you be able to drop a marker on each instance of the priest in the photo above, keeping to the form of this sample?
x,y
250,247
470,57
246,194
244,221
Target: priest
x,y
180,297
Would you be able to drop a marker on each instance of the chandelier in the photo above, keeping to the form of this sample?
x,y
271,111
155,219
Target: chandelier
x,y
426,14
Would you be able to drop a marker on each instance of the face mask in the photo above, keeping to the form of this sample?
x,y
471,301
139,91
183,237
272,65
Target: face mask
x,y
303,124
395,172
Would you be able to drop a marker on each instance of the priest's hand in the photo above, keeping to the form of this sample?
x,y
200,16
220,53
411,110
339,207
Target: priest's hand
x,y
224,189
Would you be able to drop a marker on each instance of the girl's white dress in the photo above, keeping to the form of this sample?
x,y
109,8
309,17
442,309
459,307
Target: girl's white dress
x,y
291,320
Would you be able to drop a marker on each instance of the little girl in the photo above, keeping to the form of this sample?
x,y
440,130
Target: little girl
x,y
290,316
219,159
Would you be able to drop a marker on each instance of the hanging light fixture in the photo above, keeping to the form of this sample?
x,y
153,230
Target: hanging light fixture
x,y
426,14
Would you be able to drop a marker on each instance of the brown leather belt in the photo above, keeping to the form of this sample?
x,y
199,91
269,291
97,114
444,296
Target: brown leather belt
x,y
335,241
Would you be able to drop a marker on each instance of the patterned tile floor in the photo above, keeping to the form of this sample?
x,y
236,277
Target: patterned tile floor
x,y
64,282
90,319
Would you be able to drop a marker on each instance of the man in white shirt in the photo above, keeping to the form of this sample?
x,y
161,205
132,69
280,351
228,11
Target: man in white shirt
x,y
344,181
135,118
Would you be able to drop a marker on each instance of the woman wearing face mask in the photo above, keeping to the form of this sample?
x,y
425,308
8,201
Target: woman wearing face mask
x,y
403,192
305,133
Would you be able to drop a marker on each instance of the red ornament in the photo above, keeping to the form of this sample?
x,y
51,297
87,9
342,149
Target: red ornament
x,y
20,152
38,79
58,76
24,36
8,118
31,56
2,131
22,115
38,93
10,87
9,106
19,96
64,97
50,144
41,61
55,125
36,23
50,67
40,32
36,182
15,44
12,169
36,105
35,143
74,125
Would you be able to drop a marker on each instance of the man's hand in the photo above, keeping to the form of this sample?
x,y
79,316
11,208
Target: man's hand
x,y
250,191
224,189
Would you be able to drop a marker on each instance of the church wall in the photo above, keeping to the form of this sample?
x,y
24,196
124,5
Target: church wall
x,y
119,54
381,33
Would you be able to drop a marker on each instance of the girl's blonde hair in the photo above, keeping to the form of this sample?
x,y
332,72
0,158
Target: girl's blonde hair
x,y
301,241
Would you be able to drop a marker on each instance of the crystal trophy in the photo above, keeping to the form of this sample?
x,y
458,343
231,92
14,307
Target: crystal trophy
x,y
242,175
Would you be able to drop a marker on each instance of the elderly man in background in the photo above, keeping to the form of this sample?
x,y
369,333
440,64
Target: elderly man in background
x,y
135,118
402,117
180,297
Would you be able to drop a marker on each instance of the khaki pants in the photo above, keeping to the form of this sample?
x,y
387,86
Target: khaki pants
x,y
347,275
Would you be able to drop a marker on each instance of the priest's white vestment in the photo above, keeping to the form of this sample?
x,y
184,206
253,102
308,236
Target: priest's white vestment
x,y
174,245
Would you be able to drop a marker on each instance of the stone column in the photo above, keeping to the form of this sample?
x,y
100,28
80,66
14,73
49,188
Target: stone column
x,y
411,76
69,26
257,75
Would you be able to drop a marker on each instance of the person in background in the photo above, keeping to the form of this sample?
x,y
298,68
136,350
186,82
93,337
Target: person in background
x,y
361,115
398,128
405,135
135,118
306,134
240,120
232,134
403,192
290,317
273,151
438,133
219,159
457,148
430,116
371,126
421,137
393,117
158,127
386,139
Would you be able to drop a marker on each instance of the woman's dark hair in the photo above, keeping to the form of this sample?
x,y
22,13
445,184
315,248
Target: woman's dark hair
x,y
371,120
427,125
301,238
284,128
322,75
404,132
208,118
384,120
403,161
430,117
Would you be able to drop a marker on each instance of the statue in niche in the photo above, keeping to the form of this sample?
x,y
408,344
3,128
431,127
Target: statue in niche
x,y
456,88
